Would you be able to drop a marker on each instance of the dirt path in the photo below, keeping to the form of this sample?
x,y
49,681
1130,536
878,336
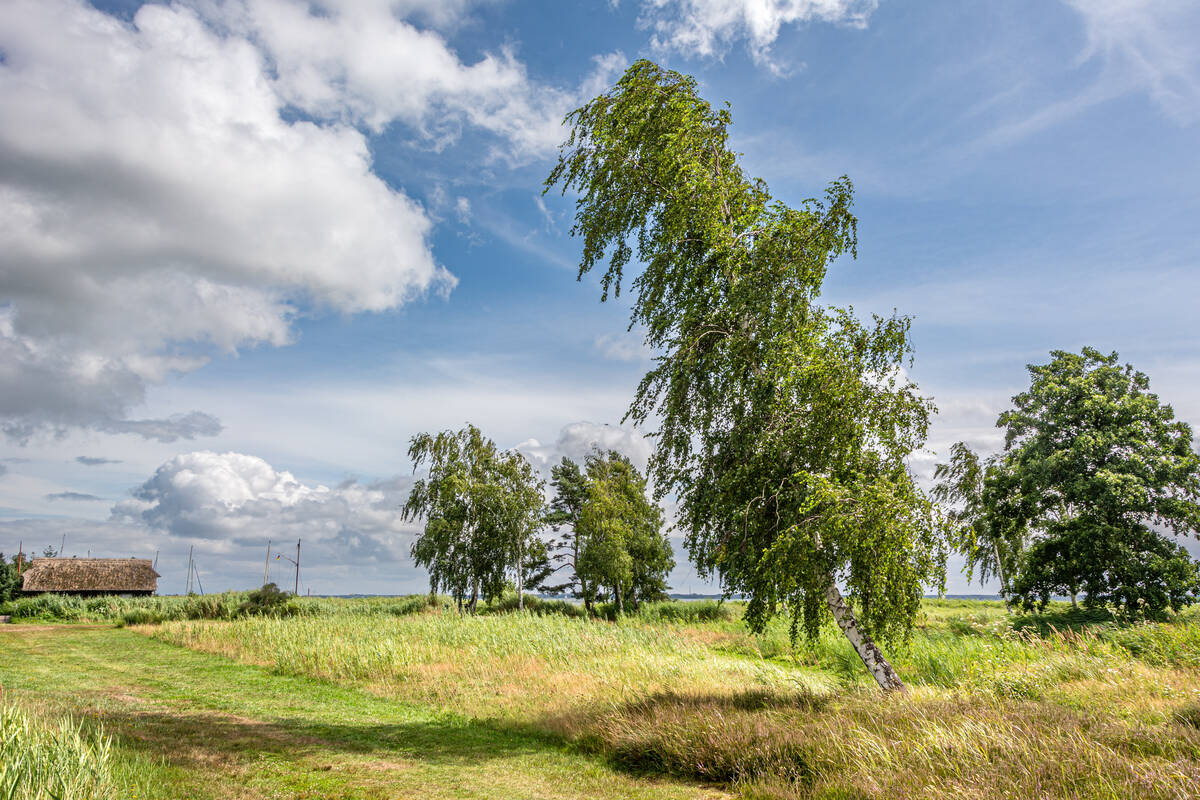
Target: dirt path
x,y
208,728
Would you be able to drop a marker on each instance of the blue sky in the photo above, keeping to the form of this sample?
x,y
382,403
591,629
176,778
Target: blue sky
x,y
252,246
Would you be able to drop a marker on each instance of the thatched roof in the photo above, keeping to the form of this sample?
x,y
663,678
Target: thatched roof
x,y
90,575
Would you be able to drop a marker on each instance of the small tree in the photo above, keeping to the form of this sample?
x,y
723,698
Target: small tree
x,y
515,509
619,532
1094,467
987,534
570,493
482,511
784,426
10,578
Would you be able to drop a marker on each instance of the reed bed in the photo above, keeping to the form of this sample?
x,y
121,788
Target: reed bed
x,y
52,758
489,666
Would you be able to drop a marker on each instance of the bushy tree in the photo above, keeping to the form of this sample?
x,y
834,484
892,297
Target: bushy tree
x,y
482,510
10,579
620,536
784,425
1094,470
610,533
1132,569
1099,467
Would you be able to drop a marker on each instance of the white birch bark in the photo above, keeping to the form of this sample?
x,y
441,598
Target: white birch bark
x,y
866,648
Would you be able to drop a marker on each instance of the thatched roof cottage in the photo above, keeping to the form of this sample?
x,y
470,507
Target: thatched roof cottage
x,y
90,576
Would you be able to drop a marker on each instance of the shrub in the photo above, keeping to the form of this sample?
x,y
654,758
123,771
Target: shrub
x,y
687,612
139,616
268,601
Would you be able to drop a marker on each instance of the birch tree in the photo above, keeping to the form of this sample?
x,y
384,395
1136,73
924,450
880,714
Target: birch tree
x,y
783,425
986,516
620,533
482,510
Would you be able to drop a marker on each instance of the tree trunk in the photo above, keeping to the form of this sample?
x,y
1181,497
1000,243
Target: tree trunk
x,y
1003,580
867,650
474,595
620,600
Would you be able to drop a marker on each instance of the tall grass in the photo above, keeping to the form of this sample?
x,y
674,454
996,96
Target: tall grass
x,y
924,745
1001,707
512,665
223,606
52,758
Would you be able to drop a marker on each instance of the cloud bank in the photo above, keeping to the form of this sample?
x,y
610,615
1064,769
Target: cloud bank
x,y
228,500
185,184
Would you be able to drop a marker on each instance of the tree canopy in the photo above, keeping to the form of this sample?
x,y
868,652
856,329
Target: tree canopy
x,y
1094,466
610,533
482,509
783,425
621,542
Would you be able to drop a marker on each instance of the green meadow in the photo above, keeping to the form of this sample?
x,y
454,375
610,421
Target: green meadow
x,y
403,698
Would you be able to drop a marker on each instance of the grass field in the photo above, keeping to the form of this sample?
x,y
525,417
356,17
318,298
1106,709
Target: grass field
x,y
389,699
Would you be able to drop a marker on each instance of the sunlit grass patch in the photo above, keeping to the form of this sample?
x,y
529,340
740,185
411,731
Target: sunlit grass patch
x,y
996,710
492,666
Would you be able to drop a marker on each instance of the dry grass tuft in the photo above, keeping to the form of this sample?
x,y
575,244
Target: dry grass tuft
x,y
929,745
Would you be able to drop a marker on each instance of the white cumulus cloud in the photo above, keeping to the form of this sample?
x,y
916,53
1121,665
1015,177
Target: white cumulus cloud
x,y
360,62
232,499
155,207
578,439
185,183
708,27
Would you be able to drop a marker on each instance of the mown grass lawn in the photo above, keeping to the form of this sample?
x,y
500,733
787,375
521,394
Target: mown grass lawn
x,y
377,700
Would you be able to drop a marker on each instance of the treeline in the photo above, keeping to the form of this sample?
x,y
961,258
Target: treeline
x,y
486,514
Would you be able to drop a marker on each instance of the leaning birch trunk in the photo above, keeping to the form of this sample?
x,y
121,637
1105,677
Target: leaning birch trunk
x,y
867,650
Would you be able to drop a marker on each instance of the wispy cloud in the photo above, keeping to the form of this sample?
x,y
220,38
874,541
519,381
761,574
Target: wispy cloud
x,y
622,347
75,496
707,28
1132,47
520,236
96,461
1149,46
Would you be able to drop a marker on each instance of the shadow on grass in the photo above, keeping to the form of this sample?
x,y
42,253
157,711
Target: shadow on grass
x,y
707,738
207,738
1073,619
